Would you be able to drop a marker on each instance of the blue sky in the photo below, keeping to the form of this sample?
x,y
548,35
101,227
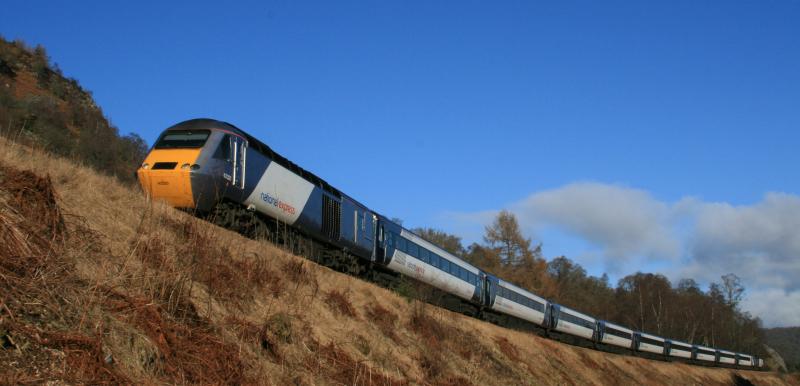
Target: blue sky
x,y
627,136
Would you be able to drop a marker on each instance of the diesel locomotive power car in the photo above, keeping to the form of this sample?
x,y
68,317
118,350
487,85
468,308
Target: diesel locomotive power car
x,y
209,166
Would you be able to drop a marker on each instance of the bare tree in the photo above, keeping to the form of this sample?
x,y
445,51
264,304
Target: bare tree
x,y
733,289
505,236
448,242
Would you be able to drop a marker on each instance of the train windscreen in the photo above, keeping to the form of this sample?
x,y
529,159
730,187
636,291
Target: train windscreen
x,y
182,139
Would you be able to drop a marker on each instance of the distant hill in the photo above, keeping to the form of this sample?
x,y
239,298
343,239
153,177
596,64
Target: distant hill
x,y
41,107
786,341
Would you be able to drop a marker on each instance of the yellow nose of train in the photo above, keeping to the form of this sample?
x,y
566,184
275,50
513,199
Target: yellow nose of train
x,y
166,173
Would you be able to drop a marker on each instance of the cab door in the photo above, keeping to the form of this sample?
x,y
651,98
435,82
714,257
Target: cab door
x,y
237,161
364,230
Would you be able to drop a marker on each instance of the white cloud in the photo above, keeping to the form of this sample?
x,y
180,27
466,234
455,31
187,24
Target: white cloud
x,y
775,307
762,240
624,222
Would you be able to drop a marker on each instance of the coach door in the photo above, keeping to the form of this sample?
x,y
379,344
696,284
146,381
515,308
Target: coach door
x,y
369,232
487,286
489,290
380,243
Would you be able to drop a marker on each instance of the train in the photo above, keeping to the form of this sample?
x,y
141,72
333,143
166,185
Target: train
x,y
217,170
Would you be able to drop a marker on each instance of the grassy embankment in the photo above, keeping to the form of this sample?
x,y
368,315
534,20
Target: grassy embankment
x,y
98,285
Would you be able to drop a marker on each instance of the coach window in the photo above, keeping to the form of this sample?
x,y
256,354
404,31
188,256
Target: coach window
x,y
401,244
412,249
424,255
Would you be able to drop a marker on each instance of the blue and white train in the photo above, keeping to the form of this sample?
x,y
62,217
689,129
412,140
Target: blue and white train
x,y
211,166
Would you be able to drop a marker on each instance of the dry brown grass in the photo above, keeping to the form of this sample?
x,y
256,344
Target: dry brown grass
x,y
339,302
100,286
335,365
385,320
429,328
188,352
508,348
37,285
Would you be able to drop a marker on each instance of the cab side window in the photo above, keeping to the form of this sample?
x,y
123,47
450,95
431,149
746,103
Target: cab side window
x,y
224,150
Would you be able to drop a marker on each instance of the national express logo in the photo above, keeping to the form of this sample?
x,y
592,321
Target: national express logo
x,y
276,202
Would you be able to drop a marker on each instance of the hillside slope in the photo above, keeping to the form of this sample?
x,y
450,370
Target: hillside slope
x,y
98,285
42,107
786,341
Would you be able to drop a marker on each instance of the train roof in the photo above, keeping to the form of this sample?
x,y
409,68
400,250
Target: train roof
x,y
679,343
569,310
617,326
651,336
253,142
520,290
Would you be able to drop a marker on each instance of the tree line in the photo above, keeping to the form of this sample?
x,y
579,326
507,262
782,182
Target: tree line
x,y
42,108
641,301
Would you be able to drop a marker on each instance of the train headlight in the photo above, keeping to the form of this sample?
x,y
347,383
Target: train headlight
x,y
145,165
192,167
195,167
185,167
